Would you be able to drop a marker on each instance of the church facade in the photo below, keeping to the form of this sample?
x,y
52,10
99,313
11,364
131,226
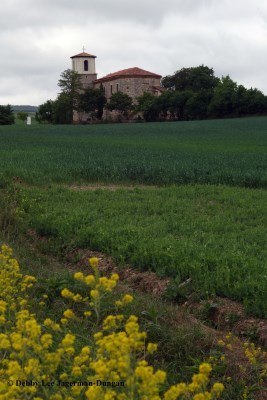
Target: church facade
x,y
132,81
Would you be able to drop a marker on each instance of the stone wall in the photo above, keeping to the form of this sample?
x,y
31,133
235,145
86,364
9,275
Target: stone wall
x,y
133,86
87,80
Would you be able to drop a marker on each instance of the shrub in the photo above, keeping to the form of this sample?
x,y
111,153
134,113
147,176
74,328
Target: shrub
x,y
6,115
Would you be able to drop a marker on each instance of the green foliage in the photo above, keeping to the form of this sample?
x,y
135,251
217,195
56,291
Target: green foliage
x,y
193,79
70,84
6,115
120,102
224,99
208,239
149,106
198,94
45,112
22,116
92,101
62,109
147,103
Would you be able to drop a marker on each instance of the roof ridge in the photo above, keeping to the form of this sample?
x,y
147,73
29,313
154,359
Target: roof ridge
x,y
83,54
133,71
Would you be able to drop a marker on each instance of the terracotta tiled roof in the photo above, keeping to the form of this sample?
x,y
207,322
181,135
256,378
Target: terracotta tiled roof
x,y
129,72
83,55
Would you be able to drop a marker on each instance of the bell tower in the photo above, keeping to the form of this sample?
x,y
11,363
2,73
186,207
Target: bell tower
x,y
84,64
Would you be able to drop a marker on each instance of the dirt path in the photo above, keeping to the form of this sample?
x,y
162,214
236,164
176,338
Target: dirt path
x,y
112,188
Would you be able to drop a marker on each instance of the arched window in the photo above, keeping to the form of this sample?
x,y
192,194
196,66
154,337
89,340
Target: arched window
x,y
85,65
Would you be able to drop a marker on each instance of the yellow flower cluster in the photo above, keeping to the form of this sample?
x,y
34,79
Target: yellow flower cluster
x,y
99,288
256,368
48,362
198,388
253,353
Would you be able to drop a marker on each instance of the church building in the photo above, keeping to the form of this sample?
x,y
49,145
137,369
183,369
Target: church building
x,y
132,81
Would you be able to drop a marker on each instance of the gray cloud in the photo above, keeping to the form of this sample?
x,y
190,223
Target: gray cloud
x,y
37,37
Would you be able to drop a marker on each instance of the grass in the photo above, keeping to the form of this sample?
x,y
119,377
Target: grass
x,y
213,235
196,227
210,233
228,152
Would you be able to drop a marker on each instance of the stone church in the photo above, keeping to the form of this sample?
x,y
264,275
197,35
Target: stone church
x,y
132,81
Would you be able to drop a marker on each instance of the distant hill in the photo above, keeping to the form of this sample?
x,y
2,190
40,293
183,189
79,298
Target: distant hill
x,y
24,108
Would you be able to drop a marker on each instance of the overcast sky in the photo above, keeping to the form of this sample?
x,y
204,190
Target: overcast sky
x,y
38,37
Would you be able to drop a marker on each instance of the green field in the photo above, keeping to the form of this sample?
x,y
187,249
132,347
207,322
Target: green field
x,y
203,221
213,235
230,152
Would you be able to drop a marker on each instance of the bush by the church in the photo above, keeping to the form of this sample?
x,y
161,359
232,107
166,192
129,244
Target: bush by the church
x,y
7,116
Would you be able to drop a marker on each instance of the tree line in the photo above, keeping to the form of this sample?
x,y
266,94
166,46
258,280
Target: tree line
x,y
195,93
189,94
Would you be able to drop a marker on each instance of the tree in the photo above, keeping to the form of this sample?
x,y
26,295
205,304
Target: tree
x,y
45,112
92,101
62,110
120,102
256,102
71,86
197,105
223,103
195,79
147,105
179,102
7,116
22,116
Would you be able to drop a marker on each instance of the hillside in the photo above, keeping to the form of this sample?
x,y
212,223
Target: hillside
x,y
25,108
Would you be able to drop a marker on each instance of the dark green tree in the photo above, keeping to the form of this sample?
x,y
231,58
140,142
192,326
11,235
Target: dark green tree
x,y
62,110
194,79
179,102
224,101
197,105
147,105
45,112
256,102
120,102
7,116
92,101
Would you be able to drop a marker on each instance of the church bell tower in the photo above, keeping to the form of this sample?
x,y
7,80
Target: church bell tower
x,y
84,64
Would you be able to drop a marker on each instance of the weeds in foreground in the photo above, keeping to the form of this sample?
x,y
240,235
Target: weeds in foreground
x,y
45,359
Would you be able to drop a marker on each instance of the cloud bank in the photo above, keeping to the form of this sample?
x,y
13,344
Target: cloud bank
x,y
38,37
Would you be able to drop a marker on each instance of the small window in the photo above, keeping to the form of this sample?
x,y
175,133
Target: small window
x,y
117,87
85,65
111,89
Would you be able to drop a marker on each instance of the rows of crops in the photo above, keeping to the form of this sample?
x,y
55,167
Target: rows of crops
x,y
212,235
215,152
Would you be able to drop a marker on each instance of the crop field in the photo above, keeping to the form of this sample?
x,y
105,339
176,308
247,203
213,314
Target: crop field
x,y
227,152
211,235
198,213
